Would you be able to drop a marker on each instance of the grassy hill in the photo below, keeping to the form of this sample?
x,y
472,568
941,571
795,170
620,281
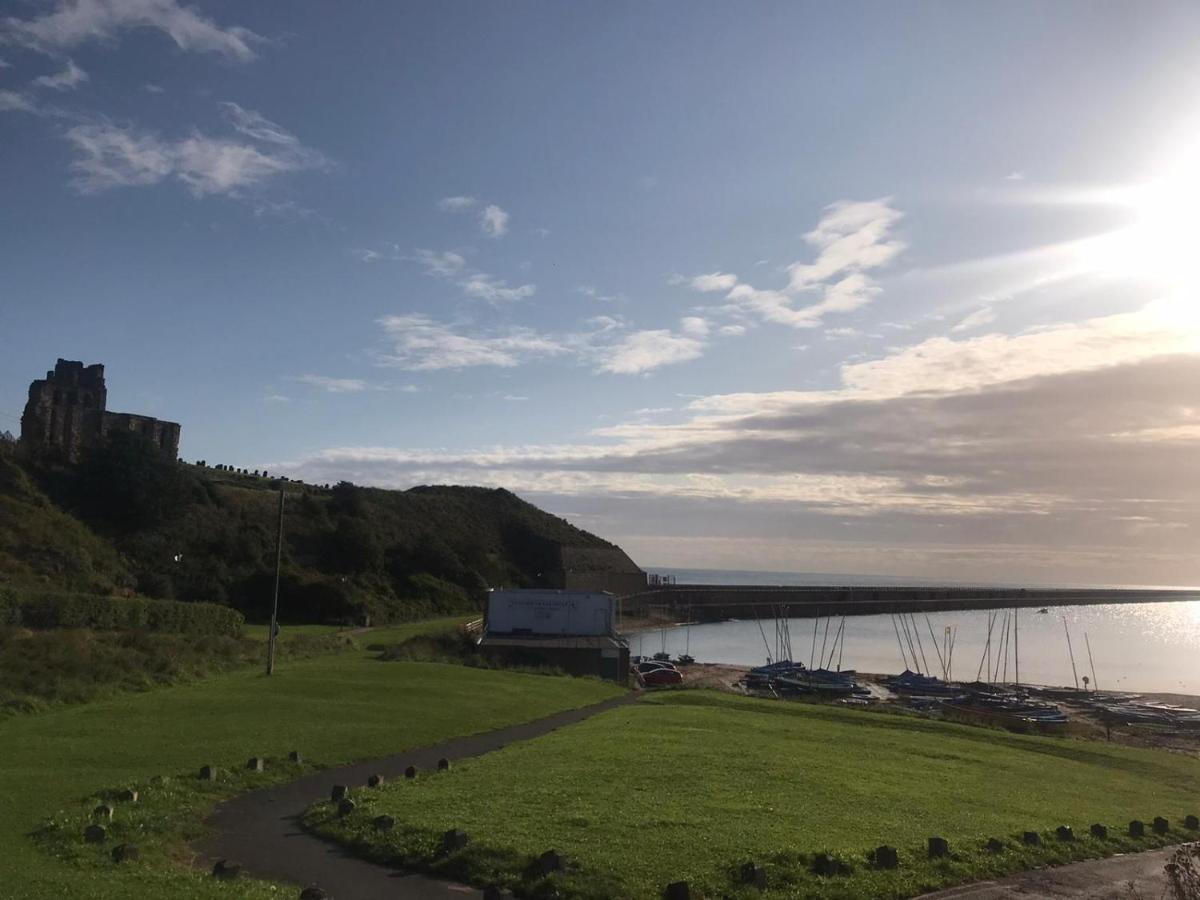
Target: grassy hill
x,y
691,785
124,521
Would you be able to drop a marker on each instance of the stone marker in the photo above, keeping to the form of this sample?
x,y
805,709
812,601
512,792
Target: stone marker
x,y
383,823
995,845
94,834
129,795
1161,825
678,890
225,870
295,757
375,781
1137,828
339,792
313,893
1099,831
125,853
208,773
1191,822
886,857
550,861
443,765
103,813
938,847
454,840
410,772
1032,838
754,874
827,866
256,764
345,806
1064,833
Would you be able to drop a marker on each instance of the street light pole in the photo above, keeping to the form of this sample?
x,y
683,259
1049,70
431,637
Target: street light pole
x,y
275,603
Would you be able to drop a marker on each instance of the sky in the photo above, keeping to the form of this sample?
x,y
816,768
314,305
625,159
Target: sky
x,y
895,289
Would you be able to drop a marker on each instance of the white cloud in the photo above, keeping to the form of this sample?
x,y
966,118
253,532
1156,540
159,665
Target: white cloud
x,y
153,88
12,101
515,398
441,265
456,204
66,80
694,326
495,290
76,22
419,343
714,281
643,351
276,398
333,385
5,65
113,156
984,316
494,221
732,330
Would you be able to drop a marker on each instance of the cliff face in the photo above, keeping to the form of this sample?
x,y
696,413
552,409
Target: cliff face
x,y
177,531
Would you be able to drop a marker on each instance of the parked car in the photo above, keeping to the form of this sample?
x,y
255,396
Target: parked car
x,y
660,677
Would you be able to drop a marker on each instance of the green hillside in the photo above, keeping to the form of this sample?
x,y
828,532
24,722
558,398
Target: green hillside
x,y
125,521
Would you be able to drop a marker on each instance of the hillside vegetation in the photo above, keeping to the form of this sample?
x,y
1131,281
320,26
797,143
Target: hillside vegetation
x,y
126,522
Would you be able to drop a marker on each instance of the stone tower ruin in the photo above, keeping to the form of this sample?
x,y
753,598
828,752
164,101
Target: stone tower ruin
x,y
68,411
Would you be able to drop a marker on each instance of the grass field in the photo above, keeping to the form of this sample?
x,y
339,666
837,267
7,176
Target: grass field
x,y
334,708
690,785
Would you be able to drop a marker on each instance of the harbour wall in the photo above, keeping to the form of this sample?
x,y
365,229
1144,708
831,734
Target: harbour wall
x,y
716,603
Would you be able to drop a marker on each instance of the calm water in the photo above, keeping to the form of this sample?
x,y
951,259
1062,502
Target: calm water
x,y
1135,646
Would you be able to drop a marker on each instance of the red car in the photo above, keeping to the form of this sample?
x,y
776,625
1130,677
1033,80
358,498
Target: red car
x,y
660,677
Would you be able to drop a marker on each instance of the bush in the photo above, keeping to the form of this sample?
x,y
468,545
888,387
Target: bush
x,y
43,610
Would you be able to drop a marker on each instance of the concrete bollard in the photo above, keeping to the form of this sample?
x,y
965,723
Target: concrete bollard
x,y
754,874
256,764
886,857
1064,833
938,847
677,890
339,792
383,823
129,795
443,765
1161,825
224,870
995,845
410,772
346,806
95,834
208,773
1099,831
375,781
550,861
454,840
125,853
1031,839
1137,828
103,813
1191,823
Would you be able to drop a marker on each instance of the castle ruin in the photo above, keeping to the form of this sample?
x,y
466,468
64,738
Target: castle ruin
x,y
67,411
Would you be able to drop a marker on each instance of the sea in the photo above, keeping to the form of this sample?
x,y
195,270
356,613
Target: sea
x,y
1139,647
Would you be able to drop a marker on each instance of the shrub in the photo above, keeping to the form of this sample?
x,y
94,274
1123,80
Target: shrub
x,y
44,610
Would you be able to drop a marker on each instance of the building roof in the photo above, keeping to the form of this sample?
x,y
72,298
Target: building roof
x,y
555,641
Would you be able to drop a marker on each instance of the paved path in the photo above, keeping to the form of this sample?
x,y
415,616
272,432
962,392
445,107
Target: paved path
x,y
1134,876
260,829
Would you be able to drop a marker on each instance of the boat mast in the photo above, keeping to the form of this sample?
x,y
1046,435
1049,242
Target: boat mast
x,y
1090,662
1072,652
1017,644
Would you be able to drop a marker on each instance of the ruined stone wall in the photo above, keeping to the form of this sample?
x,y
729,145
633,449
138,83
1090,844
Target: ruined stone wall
x,y
67,411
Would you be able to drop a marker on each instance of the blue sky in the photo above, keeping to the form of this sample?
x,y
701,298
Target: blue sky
x,y
772,285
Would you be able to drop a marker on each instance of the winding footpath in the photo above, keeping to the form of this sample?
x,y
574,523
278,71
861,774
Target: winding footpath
x,y
261,830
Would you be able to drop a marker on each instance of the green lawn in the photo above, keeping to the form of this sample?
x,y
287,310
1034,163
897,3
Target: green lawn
x,y
689,785
334,708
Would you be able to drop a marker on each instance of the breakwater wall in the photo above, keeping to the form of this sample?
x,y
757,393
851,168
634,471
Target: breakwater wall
x,y
716,603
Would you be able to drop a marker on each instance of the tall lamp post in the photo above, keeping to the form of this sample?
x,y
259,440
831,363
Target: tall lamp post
x,y
275,602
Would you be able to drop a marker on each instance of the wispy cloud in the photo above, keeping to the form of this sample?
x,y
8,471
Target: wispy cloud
x,y
67,80
495,290
14,101
983,316
73,23
456,204
417,342
852,238
333,385
494,221
643,351
112,156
